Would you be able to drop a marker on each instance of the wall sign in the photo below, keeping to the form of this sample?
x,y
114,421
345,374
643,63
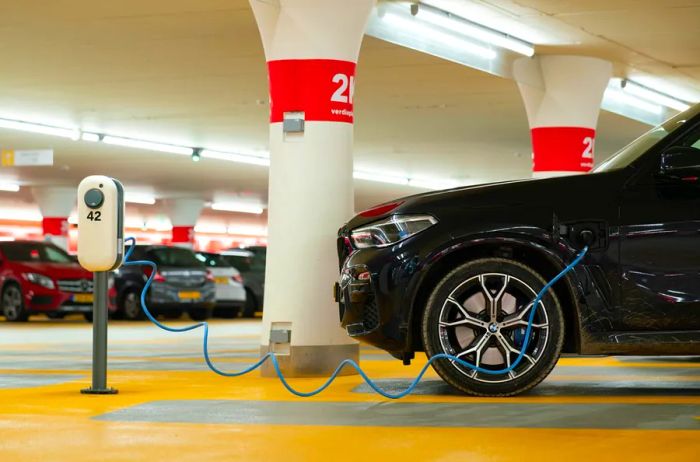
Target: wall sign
x,y
562,149
322,89
26,157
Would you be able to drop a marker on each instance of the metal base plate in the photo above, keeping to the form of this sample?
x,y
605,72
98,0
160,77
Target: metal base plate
x,y
97,391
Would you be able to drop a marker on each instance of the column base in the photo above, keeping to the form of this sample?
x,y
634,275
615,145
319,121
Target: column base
x,y
312,360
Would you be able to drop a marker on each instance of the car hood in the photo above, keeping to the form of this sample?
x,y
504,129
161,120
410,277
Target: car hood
x,y
54,270
516,193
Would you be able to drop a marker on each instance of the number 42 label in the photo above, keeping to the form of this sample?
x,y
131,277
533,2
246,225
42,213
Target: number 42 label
x,y
94,216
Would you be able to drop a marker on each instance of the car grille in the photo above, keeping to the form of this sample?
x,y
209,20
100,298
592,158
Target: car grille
x,y
75,285
370,315
344,250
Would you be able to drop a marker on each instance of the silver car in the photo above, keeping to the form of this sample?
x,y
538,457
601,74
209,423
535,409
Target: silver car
x,y
230,291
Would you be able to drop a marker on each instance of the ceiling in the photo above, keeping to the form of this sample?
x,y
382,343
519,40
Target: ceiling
x,y
193,72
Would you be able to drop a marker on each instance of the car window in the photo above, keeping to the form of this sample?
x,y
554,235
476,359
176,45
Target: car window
x,y
258,262
173,256
213,260
641,145
35,252
240,262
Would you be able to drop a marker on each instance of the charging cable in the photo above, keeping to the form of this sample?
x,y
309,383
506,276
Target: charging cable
x,y
346,362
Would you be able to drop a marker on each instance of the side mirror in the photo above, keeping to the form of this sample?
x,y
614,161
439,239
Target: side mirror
x,y
681,162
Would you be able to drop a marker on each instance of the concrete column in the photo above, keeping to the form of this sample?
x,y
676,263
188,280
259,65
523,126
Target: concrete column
x,y
311,48
55,203
183,213
562,96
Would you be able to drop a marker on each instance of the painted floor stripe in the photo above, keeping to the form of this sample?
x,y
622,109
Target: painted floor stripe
x,y
411,414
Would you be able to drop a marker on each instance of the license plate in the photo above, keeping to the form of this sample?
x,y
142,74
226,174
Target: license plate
x,y
82,298
221,280
189,295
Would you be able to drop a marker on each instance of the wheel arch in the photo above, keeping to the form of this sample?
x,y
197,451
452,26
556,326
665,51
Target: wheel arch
x,y
538,257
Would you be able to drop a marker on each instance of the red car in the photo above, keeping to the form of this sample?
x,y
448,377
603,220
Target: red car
x,y
39,277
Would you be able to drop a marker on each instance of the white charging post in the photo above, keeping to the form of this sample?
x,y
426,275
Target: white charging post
x,y
100,250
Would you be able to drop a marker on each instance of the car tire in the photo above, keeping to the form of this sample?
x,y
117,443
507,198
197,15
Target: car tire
x,y
227,313
173,313
88,317
251,305
12,302
458,320
200,314
131,306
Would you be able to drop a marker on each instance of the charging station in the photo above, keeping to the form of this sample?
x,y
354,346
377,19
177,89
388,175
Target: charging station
x,y
100,250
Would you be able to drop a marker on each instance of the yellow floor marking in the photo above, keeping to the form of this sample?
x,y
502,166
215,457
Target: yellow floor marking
x,y
70,438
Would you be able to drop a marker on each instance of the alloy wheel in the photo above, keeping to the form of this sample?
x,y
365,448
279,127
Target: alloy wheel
x,y
483,321
12,302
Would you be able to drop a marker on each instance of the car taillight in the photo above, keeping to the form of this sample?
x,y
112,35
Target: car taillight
x,y
210,277
237,278
157,278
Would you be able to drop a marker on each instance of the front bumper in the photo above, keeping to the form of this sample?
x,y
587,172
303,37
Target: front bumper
x,y
372,298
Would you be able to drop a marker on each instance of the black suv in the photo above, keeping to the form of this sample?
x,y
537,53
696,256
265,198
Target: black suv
x,y
457,271
182,283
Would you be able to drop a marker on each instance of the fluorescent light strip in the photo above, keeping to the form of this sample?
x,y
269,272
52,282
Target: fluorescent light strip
x,y
136,198
71,133
237,207
9,187
409,23
469,28
94,137
654,96
240,158
380,178
148,145
615,93
76,134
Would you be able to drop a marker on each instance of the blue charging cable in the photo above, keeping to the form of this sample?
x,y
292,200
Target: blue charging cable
x,y
347,362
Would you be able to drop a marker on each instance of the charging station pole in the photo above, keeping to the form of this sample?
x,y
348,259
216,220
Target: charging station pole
x,y
99,337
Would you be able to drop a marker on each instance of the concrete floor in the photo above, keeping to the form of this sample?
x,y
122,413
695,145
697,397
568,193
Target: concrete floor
x,y
170,407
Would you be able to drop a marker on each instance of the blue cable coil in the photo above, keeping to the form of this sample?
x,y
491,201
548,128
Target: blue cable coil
x,y
347,362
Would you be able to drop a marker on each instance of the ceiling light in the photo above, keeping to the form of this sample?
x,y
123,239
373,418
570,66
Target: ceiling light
x,y
241,207
468,28
380,178
615,94
148,145
196,154
446,39
94,137
138,198
71,133
240,158
432,183
9,187
210,228
654,96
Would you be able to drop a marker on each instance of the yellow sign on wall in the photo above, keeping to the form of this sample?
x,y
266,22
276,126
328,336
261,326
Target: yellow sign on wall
x,y
26,157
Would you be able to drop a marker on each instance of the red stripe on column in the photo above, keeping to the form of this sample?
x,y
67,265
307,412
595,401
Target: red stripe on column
x,y
321,88
55,226
562,149
183,234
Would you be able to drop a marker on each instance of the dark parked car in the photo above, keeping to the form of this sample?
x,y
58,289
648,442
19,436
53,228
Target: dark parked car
x,y
457,271
182,283
41,278
251,263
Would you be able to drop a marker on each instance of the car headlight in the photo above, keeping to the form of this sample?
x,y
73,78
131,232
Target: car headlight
x,y
390,231
40,280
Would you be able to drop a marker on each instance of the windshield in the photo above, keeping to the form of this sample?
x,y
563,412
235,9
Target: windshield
x,y
38,252
636,148
213,260
173,256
